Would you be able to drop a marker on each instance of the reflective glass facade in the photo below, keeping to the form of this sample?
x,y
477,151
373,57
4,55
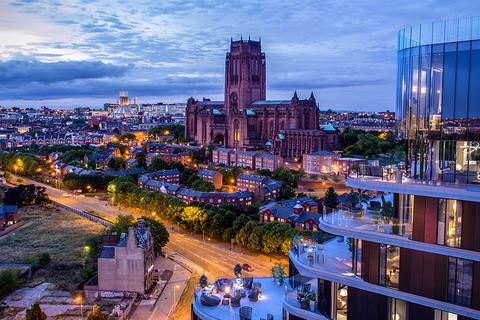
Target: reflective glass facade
x,y
438,99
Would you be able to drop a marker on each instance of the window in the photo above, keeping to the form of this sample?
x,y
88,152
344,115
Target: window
x,y
443,315
389,266
357,257
397,309
449,225
459,290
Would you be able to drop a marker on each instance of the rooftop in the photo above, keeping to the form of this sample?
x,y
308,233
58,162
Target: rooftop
x,y
269,302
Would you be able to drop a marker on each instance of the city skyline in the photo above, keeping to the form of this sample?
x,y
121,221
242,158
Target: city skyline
x,y
82,54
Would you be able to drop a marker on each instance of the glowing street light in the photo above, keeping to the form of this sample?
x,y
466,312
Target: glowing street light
x,y
79,300
175,298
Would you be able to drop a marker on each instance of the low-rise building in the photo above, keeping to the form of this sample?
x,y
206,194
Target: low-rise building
x,y
301,213
8,215
222,156
126,263
170,176
268,161
212,176
319,162
244,159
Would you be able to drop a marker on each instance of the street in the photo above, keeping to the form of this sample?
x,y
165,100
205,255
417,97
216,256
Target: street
x,y
213,256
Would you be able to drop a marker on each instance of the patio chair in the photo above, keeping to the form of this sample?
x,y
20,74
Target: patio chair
x,y
235,301
245,313
269,316
209,301
253,295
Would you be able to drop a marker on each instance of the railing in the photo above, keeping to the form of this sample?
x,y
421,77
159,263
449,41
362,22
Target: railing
x,y
82,213
369,220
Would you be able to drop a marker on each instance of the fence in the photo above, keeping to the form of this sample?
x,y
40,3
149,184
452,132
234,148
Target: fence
x,y
84,214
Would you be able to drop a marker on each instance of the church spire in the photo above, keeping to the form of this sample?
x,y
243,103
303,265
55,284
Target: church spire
x,y
312,97
295,97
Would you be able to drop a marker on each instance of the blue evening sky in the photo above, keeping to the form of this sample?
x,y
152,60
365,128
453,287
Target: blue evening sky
x,y
81,53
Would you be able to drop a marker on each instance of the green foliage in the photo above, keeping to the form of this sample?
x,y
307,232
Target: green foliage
x,y
160,234
141,160
19,163
116,163
94,245
95,182
286,192
202,185
331,199
35,313
25,195
10,280
40,260
177,130
159,164
96,314
122,223
288,176
75,154
203,281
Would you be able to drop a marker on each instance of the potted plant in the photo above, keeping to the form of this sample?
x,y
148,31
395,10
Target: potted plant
x,y
237,270
312,300
278,273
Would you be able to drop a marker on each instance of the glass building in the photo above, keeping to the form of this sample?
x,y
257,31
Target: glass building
x,y
417,258
438,99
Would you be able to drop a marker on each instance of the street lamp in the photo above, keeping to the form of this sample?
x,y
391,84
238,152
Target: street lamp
x,y
174,298
79,300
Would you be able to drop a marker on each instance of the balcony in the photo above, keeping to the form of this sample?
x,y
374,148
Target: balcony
x,y
391,179
293,306
332,261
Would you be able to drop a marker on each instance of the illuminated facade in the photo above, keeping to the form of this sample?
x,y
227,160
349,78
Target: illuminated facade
x,y
418,259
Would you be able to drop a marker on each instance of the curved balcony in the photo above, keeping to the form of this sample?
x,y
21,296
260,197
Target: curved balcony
x,y
373,227
332,261
291,304
389,179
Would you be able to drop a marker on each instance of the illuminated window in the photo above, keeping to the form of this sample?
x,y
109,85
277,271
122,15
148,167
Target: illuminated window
x,y
449,224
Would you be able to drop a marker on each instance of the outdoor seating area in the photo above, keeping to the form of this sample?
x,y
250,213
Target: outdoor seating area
x,y
243,298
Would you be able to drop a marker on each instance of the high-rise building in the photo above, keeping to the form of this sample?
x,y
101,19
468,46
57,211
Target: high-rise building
x,y
419,258
123,98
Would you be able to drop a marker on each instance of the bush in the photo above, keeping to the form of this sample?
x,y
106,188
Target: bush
x,y
10,280
40,260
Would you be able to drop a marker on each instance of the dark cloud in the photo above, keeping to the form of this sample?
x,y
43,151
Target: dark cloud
x,y
15,73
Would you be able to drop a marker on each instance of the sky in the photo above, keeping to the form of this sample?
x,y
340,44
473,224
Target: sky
x,y
71,53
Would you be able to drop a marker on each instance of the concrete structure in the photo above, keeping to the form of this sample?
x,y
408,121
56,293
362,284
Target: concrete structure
x,y
127,263
246,120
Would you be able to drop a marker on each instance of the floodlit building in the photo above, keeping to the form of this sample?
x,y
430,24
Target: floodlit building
x,y
419,260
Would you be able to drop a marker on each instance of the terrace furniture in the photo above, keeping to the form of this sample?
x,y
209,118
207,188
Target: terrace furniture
x,y
253,295
241,293
235,300
245,313
225,301
222,283
209,301
247,283
269,316
320,253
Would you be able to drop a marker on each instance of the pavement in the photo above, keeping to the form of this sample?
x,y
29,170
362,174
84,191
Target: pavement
x,y
164,306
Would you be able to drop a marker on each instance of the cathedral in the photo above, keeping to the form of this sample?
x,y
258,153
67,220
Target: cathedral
x,y
245,120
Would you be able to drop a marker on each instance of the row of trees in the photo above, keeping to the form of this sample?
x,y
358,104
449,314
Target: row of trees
x,y
25,195
224,222
86,182
20,163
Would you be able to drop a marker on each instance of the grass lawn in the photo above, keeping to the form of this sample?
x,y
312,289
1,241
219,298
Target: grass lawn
x,y
49,229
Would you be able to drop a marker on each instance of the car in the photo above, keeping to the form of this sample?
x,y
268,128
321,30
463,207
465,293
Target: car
x,y
66,195
247,267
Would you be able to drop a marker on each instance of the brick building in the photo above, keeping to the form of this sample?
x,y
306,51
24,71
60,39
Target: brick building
x,y
245,119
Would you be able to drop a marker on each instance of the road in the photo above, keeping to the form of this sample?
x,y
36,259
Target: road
x,y
214,257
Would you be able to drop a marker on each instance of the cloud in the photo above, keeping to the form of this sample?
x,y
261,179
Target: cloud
x,y
19,72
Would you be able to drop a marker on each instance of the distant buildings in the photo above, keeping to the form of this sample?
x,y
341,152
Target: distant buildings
x,y
328,162
126,262
212,176
246,120
301,213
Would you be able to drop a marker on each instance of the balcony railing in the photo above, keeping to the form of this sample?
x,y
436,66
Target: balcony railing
x,y
365,219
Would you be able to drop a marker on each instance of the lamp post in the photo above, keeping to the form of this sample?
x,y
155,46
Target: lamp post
x,y
174,298
78,299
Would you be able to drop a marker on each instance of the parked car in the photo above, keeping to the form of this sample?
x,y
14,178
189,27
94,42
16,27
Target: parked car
x,y
247,267
66,195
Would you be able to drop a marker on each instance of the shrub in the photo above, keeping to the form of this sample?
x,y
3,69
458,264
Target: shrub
x,y
10,280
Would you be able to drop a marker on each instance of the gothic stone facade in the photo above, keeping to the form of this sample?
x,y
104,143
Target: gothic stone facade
x,y
246,120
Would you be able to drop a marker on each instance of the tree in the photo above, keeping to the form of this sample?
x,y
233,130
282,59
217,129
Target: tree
x,y
116,163
141,160
203,186
286,192
239,223
25,195
331,199
97,314
159,164
35,313
159,233
122,223
127,137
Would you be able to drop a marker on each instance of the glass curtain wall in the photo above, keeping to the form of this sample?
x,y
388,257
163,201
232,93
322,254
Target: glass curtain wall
x,y
438,99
